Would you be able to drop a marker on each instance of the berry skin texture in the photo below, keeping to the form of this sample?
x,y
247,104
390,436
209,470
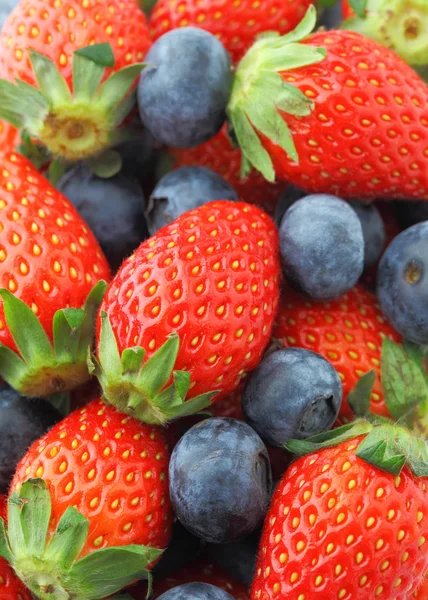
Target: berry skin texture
x,y
341,528
112,469
322,246
348,332
373,232
235,24
370,112
219,155
196,591
201,571
11,587
293,394
184,90
220,480
182,190
119,22
402,284
48,256
22,421
212,276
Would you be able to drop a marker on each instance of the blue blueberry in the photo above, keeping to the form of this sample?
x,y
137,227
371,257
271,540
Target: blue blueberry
x,y
332,17
22,422
182,190
196,591
6,7
184,90
220,480
293,394
288,197
402,283
113,209
373,232
182,549
322,246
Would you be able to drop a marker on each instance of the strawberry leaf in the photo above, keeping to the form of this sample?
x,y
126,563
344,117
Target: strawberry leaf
x,y
100,54
132,360
35,514
49,80
5,551
329,438
359,7
359,397
68,539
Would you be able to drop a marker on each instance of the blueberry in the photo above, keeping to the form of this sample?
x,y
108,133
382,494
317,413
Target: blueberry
x,y
113,209
373,232
6,7
184,90
332,17
322,246
196,591
402,283
182,549
238,559
220,480
22,422
288,197
293,394
182,190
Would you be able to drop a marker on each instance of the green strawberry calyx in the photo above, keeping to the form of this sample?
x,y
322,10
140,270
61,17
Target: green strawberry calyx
x,y
389,443
401,25
72,124
259,94
42,368
49,564
150,390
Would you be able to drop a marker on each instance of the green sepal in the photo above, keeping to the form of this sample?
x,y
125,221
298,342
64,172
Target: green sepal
x,y
109,570
5,551
68,539
56,171
140,388
329,438
260,97
100,54
359,7
111,93
376,453
35,514
14,524
404,381
43,368
359,397
50,82
61,402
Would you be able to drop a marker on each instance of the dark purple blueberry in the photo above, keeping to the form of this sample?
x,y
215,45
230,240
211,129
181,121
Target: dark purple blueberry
x,y
293,394
373,232
196,591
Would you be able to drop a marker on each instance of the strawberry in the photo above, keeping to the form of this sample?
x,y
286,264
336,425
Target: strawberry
x,y
394,24
11,587
236,25
335,113
422,592
347,331
207,283
101,502
49,260
201,571
72,116
219,155
340,527
9,137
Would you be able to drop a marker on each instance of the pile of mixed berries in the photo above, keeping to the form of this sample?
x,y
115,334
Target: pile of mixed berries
x,y
213,299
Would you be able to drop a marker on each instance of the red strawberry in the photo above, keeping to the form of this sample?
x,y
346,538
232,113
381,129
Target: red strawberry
x,y
334,113
50,261
11,587
347,331
236,24
340,527
201,571
422,592
113,470
81,125
219,155
9,137
347,10
212,277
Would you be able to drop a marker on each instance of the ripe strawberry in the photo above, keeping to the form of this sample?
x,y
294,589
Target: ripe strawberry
x,y
9,137
50,261
201,571
422,592
349,118
236,25
11,587
111,469
394,24
347,331
79,126
219,155
210,278
340,527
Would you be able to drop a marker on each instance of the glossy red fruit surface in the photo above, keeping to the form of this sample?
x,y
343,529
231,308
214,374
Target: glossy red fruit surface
x,y
212,276
113,469
347,331
341,528
236,24
48,256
